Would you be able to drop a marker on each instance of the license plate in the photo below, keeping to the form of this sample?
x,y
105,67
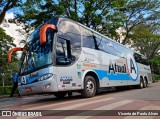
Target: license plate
x,y
28,89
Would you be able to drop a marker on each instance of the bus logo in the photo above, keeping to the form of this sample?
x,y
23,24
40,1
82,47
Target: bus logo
x,y
132,67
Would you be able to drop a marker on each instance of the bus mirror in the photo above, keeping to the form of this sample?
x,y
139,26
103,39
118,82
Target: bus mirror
x,y
13,50
43,32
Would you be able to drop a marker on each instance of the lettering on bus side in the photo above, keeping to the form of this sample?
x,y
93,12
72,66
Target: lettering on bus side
x,y
130,67
117,68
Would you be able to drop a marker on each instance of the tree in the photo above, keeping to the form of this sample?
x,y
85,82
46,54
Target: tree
x,y
146,40
6,5
92,13
155,61
134,13
6,42
138,19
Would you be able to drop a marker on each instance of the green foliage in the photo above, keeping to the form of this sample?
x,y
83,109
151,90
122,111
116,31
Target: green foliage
x,y
146,39
92,13
6,90
6,69
139,20
157,77
156,60
105,16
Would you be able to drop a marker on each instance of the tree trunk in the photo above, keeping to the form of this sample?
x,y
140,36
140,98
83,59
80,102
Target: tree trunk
x,y
2,15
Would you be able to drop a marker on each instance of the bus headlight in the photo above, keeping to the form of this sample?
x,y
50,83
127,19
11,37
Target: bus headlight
x,y
44,77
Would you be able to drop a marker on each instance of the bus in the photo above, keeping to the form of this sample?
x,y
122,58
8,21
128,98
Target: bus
x,y
63,56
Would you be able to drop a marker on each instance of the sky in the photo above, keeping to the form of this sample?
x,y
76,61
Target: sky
x,y
13,29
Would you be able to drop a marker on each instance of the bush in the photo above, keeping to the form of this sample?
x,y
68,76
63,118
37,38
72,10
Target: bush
x,y
6,90
156,77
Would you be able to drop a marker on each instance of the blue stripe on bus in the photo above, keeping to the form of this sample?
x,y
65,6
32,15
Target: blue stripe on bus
x,y
111,76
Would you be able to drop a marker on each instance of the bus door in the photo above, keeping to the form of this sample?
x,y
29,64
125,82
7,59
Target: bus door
x,y
68,47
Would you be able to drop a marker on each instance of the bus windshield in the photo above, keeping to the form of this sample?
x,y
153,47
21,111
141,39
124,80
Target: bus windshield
x,y
37,55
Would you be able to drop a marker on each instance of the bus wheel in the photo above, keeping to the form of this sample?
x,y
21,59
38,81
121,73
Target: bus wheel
x,y
60,94
141,85
145,83
89,87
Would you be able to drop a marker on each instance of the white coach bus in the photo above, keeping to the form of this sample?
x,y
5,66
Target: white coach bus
x,y
63,56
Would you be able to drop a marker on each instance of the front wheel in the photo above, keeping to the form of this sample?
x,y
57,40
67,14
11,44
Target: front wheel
x,y
60,94
89,87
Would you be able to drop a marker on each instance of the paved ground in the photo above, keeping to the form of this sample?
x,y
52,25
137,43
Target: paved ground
x,y
112,100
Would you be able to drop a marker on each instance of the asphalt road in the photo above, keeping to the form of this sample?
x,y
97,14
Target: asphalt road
x,y
127,102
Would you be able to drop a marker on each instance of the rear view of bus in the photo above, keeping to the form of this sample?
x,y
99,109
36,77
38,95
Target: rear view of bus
x,y
63,56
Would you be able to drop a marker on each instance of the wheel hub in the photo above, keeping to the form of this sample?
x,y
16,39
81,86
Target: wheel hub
x,y
90,87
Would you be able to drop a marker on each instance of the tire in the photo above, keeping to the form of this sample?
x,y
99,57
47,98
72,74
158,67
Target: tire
x,y
89,87
145,83
60,94
141,85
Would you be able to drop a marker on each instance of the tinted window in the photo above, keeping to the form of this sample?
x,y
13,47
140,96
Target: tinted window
x,y
68,43
88,38
107,46
141,59
98,40
119,50
137,57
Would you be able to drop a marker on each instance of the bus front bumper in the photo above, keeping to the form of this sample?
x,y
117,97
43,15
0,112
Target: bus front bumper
x,y
45,86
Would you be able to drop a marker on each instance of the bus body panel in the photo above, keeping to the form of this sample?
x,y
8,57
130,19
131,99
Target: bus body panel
x,y
35,87
68,78
145,71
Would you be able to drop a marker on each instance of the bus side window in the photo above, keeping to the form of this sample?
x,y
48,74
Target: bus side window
x,y
62,55
119,50
98,40
138,57
88,38
70,33
107,46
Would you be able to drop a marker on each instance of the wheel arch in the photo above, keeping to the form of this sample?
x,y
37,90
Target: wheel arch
x,y
91,73
141,77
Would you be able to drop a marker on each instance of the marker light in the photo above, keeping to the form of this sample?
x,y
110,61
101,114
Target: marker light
x,y
44,77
